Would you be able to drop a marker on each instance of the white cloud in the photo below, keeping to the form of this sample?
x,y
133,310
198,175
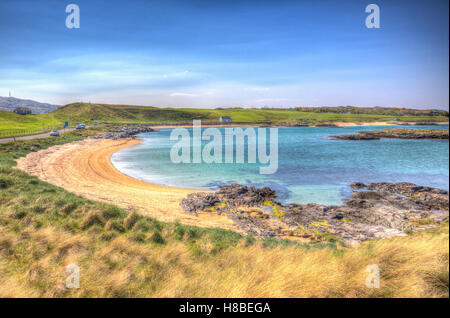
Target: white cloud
x,y
258,89
183,95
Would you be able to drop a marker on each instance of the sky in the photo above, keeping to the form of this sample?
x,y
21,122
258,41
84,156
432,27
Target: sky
x,y
232,53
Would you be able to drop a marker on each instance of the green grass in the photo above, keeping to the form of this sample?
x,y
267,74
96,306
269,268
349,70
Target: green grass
x,y
43,228
10,120
125,114
12,124
82,112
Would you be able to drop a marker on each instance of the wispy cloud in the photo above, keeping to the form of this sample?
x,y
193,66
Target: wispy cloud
x,y
258,89
182,95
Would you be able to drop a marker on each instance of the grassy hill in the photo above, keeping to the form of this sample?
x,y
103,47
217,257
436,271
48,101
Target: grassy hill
x,y
127,114
82,112
123,113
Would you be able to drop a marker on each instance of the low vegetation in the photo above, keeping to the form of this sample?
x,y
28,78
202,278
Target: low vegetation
x,y
44,228
124,113
83,113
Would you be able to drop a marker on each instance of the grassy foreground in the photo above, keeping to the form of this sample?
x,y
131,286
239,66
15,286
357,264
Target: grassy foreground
x,y
44,228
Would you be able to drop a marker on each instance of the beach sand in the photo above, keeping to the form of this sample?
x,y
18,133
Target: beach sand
x,y
84,168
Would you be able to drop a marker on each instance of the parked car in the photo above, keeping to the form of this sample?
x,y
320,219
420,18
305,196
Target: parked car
x,y
54,133
96,123
80,126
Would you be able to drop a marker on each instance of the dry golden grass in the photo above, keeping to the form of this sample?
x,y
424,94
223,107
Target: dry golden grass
x,y
33,265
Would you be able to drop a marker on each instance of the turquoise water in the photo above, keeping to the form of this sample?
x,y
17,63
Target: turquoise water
x,y
311,168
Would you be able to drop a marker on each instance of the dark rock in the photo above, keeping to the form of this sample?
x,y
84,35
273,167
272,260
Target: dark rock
x,y
385,210
125,132
339,216
242,195
399,133
366,195
357,185
198,202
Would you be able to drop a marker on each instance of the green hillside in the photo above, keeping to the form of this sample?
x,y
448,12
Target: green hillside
x,y
141,114
126,114
82,112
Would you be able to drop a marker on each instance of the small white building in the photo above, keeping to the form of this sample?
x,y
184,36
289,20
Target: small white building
x,y
225,119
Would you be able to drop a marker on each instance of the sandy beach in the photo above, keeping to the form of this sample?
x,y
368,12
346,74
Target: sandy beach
x,y
84,168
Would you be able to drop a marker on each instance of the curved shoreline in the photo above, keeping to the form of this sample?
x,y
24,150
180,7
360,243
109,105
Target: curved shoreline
x,y
85,169
138,141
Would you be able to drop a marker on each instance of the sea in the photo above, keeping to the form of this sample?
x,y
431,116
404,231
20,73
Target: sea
x,y
312,167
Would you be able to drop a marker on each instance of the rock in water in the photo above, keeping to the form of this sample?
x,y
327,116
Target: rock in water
x,y
381,210
398,133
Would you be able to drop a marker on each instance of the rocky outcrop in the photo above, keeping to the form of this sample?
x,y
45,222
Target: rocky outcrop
x,y
125,132
235,194
399,133
376,210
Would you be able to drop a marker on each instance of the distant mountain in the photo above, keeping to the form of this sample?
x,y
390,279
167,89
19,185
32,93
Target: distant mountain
x,y
11,103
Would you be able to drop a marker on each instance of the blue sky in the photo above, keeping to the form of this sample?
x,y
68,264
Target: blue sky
x,y
194,53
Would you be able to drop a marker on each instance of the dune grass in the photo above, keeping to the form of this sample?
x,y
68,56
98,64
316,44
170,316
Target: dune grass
x,y
44,228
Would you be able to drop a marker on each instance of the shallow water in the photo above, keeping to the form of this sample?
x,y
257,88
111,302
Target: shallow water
x,y
312,167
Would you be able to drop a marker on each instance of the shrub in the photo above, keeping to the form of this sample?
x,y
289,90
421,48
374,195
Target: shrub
x,y
39,208
142,225
114,225
130,220
179,231
108,236
249,240
18,213
157,238
69,207
6,182
139,237
190,234
93,218
5,246
110,212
